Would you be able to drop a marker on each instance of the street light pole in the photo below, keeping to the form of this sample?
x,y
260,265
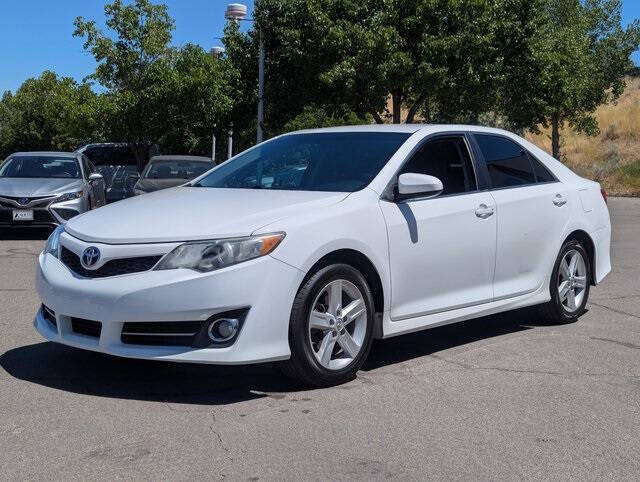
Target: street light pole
x,y
217,52
213,144
260,87
237,12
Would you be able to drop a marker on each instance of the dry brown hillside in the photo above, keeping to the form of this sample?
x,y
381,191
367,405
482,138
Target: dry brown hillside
x,y
613,157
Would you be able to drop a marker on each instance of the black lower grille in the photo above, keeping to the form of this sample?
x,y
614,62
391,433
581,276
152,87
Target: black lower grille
x,y
40,216
49,315
86,327
172,333
114,267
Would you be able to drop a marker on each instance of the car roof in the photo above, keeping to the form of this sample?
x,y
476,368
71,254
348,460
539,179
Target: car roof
x,y
102,144
407,128
180,158
71,155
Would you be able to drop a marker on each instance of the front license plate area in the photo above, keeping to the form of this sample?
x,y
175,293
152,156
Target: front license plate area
x,y
23,215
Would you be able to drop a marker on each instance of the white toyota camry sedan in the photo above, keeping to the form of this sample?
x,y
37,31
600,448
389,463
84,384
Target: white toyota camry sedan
x,y
306,247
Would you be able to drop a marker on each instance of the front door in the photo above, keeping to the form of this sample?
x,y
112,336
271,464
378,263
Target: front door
x,y
441,250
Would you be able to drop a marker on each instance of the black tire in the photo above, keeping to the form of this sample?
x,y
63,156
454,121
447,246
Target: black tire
x,y
554,312
303,365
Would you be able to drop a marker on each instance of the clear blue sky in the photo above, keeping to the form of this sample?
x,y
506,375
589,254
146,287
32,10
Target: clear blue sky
x,y
36,35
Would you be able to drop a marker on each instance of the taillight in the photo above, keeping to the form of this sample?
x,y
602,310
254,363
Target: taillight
x,y
604,194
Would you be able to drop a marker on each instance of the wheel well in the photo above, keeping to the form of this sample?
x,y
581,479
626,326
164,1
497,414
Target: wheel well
x,y
584,238
362,264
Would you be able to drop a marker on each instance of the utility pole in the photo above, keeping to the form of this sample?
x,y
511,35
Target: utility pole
x,y
230,141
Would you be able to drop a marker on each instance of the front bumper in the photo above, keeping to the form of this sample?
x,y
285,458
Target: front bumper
x,y
266,286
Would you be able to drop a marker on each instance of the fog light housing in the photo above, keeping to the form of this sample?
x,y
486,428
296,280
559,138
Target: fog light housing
x,y
223,329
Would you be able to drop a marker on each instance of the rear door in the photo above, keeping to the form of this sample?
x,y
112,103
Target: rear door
x,y
532,212
441,250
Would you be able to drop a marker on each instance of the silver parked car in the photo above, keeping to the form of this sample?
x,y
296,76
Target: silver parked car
x,y
170,171
47,188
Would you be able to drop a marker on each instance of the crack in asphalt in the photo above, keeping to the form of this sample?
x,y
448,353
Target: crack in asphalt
x,y
467,366
620,312
617,342
221,444
615,298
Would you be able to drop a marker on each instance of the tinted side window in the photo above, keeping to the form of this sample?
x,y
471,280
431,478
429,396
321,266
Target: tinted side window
x,y
448,160
542,173
507,162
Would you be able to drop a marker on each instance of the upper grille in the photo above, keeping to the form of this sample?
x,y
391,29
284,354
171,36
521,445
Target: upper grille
x,y
32,199
114,267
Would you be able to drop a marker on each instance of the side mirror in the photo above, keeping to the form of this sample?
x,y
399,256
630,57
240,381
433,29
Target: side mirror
x,y
95,177
418,185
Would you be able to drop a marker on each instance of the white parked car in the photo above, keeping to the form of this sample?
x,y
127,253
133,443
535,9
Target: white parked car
x,y
306,247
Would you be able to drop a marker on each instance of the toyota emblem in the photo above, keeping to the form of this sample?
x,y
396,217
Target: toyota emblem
x,y
90,257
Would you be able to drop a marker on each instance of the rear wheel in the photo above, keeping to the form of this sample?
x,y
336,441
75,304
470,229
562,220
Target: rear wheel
x,y
569,286
331,327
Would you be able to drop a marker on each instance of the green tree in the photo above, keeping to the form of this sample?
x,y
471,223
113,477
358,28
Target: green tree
x,y
442,60
47,113
154,93
579,63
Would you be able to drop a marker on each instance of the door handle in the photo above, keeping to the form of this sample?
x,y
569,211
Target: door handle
x,y
483,211
559,200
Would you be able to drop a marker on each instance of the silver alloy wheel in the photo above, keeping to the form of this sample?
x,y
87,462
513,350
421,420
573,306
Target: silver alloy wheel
x,y
572,280
337,324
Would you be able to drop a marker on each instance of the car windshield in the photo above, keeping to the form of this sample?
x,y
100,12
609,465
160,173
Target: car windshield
x,y
41,166
330,161
176,169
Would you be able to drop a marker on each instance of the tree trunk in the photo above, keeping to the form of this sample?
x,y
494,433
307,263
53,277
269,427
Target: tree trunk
x,y
141,151
414,108
376,117
396,97
555,135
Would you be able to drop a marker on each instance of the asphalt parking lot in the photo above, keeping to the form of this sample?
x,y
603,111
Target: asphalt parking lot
x,y
495,398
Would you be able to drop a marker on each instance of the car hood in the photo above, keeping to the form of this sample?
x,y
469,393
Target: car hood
x,y
151,184
193,213
31,187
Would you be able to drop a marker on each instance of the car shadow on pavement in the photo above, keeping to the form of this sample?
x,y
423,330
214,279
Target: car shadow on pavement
x,y
24,234
89,373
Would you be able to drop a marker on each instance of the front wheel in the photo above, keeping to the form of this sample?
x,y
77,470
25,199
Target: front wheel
x,y
569,286
331,326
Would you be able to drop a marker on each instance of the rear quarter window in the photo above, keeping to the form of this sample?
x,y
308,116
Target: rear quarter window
x,y
507,162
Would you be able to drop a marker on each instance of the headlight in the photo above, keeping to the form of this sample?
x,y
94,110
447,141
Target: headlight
x,y
206,256
69,196
53,243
